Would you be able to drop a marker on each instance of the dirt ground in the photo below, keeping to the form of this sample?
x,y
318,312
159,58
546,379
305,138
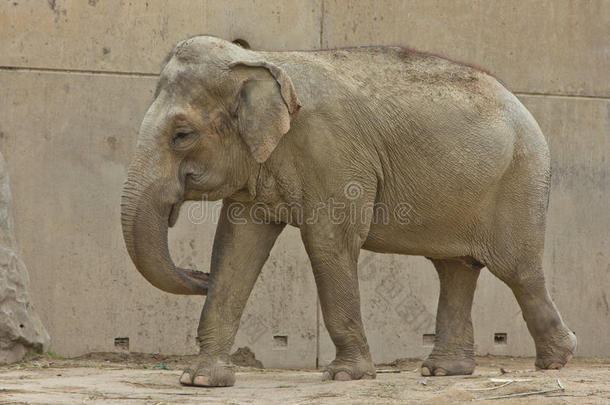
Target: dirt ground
x,y
112,378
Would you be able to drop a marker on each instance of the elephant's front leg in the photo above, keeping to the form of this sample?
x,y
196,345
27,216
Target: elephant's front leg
x,y
334,258
241,247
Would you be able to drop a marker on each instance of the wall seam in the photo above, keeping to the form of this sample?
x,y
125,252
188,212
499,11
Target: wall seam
x,y
322,11
76,71
532,94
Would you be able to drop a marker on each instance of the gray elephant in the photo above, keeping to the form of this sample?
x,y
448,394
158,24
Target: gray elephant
x,y
337,143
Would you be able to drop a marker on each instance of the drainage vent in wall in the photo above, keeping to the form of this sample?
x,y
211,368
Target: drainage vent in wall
x,y
122,343
280,342
428,339
500,338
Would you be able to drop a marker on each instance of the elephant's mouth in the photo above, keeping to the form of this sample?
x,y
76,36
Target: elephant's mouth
x,y
174,212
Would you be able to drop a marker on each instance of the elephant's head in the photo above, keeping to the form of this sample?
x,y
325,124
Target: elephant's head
x,y
218,113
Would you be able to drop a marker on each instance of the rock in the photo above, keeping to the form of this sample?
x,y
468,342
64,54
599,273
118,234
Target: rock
x,y
20,328
245,357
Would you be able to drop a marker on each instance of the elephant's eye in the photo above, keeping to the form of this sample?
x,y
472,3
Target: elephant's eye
x,y
181,135
182,139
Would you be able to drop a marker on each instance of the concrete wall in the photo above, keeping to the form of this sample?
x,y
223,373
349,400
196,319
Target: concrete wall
x,y
76,78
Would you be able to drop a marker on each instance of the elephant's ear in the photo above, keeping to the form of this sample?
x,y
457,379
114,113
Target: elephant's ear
x,y
264,108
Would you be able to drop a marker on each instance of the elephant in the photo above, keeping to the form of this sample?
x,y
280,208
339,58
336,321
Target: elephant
x,y
338,143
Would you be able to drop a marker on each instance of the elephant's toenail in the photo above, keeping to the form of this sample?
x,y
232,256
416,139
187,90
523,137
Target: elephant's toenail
x,y
185,379
201,381
555,366
425,371
326,376
342,376
440,372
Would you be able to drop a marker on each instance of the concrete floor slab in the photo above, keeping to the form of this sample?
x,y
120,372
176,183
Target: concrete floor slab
x,y
103,382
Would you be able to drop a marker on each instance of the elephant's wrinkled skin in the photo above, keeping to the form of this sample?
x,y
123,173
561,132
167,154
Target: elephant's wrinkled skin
x,y
433,157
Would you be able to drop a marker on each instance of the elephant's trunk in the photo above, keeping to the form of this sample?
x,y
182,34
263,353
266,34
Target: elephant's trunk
x,y
144,218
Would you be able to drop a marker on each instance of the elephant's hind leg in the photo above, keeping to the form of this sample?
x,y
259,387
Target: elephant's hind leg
x,y
555,343
515,256
453,351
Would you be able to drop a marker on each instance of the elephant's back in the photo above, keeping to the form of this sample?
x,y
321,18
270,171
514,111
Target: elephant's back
x,y
419,111
386,71
372,86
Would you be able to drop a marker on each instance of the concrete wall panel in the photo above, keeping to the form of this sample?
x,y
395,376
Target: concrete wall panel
x,y
577,253
68,139
556,47
136,36
280,322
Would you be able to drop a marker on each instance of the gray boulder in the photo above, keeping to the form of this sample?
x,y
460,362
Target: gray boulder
x,y
20,328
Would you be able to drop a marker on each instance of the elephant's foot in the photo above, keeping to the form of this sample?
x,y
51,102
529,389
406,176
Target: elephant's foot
x,y
554,352
209,372
342,370
447,365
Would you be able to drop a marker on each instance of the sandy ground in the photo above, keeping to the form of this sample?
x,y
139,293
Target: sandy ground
x,y
149,379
